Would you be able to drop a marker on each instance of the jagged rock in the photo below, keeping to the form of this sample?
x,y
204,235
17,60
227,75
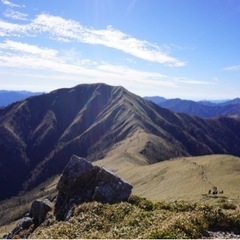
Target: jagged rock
x,y
21,225
110,188
83,182
39,210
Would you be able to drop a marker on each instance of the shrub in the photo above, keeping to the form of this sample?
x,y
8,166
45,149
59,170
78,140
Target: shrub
x,y
228,205
140,218
143,203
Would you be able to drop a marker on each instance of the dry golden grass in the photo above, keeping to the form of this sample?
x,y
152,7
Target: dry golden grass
x,y
187,178
7,228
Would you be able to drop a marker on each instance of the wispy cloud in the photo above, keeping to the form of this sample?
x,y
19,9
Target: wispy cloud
x,y
191,81
10,4
24,48
62,29
22,56
16,15
131,5
232,68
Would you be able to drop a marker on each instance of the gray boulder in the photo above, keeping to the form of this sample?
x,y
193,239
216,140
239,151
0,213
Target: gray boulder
x,y
110,188
39,210
83,182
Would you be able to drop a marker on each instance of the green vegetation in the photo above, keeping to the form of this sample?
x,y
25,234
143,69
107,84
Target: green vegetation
x,y
141,218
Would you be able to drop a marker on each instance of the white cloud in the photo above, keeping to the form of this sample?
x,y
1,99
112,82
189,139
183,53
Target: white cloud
x,y
24,48
23,56
142,49
15,15
12,29
109,37
69,30
10,4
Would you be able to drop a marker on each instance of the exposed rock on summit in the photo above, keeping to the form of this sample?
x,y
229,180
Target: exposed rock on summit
x,y
39,209
83,182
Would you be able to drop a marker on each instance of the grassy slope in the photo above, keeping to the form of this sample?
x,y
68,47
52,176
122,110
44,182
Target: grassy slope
x,y
183,178
186,179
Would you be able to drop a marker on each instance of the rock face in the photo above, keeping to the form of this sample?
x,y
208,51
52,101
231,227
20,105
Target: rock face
x,y
23,224
39,210
83,182
110,188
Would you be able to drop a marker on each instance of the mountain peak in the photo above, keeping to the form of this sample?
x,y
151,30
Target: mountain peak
x,y
93,120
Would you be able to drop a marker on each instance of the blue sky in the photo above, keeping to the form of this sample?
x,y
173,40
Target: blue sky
x,y
171,48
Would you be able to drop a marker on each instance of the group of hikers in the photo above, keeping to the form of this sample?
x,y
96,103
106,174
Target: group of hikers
x,y
214,191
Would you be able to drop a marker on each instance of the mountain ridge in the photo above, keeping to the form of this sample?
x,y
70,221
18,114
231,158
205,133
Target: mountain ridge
x,y
205,109
40,134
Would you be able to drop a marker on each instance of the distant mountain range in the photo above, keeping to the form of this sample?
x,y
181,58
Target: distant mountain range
x,y
40,134
205,109
8,97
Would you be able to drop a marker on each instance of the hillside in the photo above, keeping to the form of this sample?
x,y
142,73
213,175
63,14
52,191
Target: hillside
x,y
40,134
188,178
203,109
178,194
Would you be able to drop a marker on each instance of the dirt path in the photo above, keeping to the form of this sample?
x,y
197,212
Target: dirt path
x,y
202,171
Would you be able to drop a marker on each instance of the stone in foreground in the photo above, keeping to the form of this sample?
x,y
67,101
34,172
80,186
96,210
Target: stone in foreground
x,y
83,182
39,210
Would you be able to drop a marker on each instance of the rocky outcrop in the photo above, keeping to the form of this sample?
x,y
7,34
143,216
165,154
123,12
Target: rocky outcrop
x,y
110,188
39,210
80,182
36,216
21,225
83,182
